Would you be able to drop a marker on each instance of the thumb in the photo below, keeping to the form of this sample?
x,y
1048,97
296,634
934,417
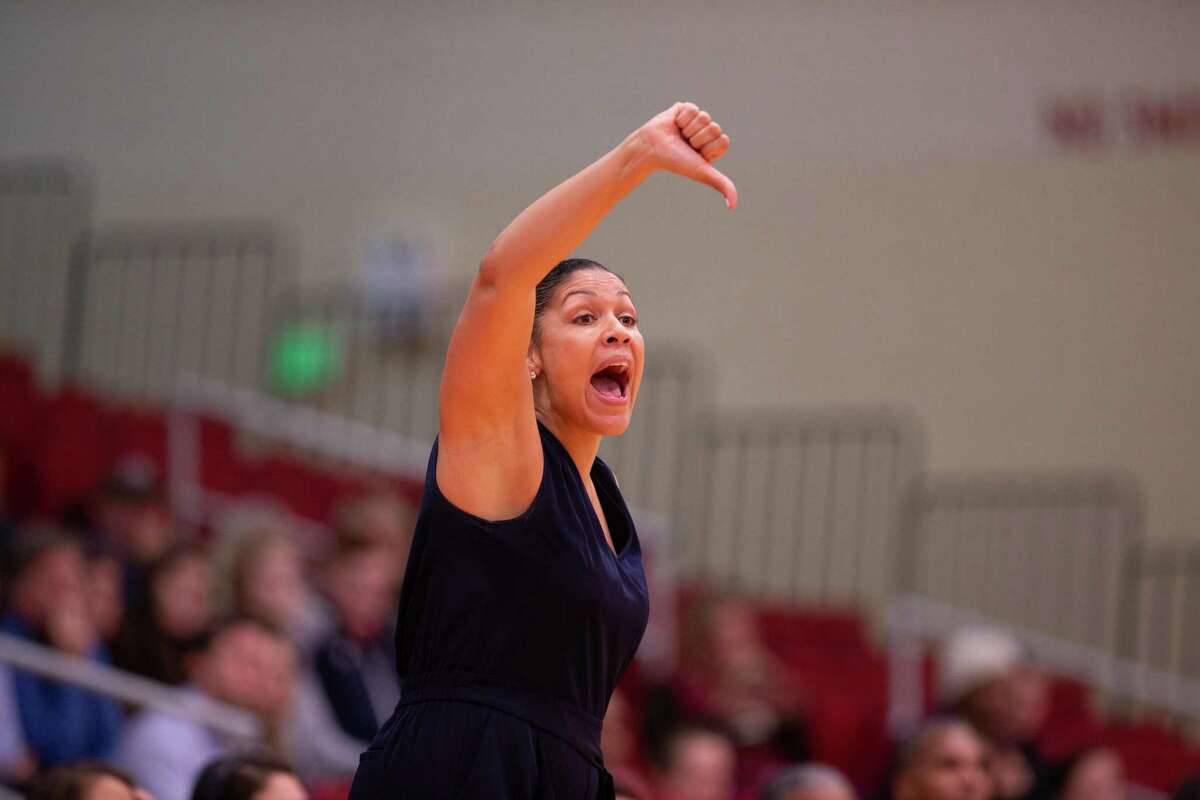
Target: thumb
x,y
716,179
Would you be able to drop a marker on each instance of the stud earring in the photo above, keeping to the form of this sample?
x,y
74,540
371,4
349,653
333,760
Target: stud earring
x,y
532,375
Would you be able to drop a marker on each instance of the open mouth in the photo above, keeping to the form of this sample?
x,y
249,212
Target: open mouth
x,y
612,382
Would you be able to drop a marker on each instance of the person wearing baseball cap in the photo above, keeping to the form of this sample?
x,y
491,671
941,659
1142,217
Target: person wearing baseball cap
x,y
986,678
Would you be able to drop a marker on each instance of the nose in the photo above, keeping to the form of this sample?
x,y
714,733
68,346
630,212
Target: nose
x,y
617,333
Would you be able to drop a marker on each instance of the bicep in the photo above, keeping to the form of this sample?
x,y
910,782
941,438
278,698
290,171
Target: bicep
x,y
485,387
489,448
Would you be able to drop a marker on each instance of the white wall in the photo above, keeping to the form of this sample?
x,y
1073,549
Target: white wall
x,y
909,232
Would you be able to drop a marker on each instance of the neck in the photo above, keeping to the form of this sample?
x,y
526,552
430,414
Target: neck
x,y
582,446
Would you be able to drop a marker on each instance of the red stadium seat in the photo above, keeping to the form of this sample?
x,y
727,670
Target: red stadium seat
x,y
142,432
1153,756
22,422
76,450
21,405
307,491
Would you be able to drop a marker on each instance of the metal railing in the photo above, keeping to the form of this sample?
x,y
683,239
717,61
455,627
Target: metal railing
x,y
126,687
1160,592
145,305
798,505
44,206
1040,553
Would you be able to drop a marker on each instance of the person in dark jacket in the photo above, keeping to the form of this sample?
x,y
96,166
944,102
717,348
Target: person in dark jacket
x,y
354,663
46,604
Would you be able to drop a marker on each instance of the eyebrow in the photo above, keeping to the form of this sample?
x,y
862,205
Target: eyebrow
x,y
592,293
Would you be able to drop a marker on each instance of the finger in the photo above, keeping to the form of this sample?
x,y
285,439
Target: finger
x,y
685,113
715,149
707,134
697,124
717,180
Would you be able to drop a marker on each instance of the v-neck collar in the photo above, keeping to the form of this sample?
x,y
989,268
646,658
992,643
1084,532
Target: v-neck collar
x,y
602,493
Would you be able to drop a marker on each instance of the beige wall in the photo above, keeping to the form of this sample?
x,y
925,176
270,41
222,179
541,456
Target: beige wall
x,y
908,234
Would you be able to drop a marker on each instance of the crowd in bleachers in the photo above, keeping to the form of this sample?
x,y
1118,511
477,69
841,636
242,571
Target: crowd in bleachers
x,y
769,702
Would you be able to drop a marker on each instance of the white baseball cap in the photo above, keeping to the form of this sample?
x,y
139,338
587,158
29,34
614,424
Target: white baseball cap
x,y
973,657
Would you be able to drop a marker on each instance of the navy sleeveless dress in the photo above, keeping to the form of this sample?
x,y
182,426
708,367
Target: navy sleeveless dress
x,y
510,641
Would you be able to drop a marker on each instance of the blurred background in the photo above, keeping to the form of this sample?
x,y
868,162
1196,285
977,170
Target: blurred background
x,y
919,422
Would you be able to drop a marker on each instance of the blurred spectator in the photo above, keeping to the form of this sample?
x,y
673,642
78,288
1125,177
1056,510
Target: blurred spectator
x,y
809,782
945,760
129,514
623,792
17,764
696,762
380,517
618,739
248,777
87,780
729,675
984,678
354,665
239,663
158,631
46,603
628,786
1190,790
260,574
1095,774
105,587
7,525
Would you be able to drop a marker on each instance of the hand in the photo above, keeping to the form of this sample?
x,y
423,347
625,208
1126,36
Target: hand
x,y
69,627
685,140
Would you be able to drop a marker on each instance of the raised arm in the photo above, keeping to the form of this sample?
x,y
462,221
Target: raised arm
x,y
489,445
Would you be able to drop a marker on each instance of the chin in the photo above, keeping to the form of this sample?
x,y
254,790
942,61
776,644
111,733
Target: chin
x,y
609,424
613,427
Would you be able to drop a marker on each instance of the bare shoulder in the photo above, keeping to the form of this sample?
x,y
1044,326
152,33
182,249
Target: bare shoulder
x,y
495,478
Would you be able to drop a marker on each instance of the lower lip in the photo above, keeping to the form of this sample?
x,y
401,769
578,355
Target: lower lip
x,y
609,401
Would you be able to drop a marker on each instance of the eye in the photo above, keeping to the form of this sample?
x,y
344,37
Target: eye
x,y
628,320
585,318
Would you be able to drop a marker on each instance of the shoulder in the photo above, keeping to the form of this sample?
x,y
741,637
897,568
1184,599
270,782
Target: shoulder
x,y
154,735
494,479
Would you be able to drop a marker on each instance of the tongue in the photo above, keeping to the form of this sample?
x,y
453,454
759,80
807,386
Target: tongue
x,y
607,386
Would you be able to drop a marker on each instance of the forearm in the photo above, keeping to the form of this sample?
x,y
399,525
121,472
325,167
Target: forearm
x,y
550,229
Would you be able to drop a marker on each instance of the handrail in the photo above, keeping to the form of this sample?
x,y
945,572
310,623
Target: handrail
x,y
913,616
125,686
332,434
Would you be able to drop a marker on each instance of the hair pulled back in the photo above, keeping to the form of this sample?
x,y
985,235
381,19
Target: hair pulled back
x,y
545,288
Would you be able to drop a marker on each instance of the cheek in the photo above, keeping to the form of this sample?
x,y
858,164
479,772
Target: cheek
x,y
567,358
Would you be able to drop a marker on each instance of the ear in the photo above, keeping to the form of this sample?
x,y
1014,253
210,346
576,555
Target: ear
x,y
533,360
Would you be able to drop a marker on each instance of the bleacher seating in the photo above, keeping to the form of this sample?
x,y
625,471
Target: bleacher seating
x,y
69,438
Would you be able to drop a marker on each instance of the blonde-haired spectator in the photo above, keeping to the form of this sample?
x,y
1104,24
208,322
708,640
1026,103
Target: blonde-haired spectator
x,y
259,570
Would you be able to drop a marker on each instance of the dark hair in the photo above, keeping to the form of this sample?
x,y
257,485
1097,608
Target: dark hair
x,y
1057,777
73,782
562,270
912,750
238,777
205,640
1190,790
24,551
662,752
